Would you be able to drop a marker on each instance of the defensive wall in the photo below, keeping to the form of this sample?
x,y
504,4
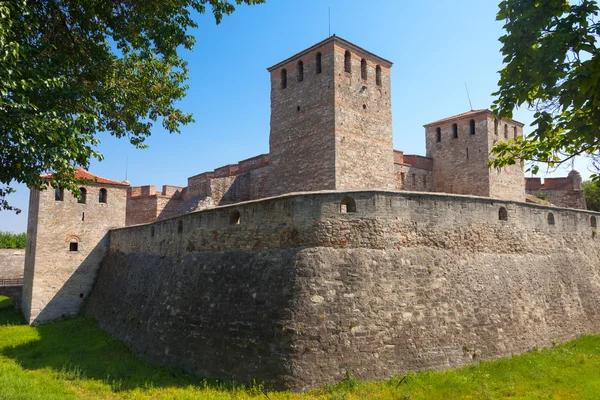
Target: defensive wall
x,y
296,290
566,191
12,263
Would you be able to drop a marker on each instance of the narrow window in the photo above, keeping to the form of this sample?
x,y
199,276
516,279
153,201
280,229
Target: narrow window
x,y
402,177
363,69
472,127
283,78
515,132
102,196
503,214
180,226
300,71
234,217
506,131
455,131
378,75
495,127
59,194
74,246
414,179
347,62
81,295
83,194
83,216
348,205
318,63
550,219
467,153
593,221
425,181
152,232
438,132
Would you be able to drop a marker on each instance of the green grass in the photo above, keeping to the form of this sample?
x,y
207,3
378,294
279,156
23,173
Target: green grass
x,y
74,359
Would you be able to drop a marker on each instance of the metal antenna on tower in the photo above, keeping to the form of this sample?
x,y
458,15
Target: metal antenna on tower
x,y
329,10
468,96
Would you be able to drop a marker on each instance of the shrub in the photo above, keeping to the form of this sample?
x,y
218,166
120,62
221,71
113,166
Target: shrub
x,y
9,240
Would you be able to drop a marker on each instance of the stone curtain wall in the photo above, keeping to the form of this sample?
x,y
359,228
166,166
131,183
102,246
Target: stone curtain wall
x,y
562,192
12,263
297,293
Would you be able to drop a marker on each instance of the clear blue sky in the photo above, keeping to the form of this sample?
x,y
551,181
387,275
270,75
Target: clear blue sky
x,y
436,46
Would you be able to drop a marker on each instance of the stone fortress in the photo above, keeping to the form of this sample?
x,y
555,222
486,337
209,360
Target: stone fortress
x,y
333,252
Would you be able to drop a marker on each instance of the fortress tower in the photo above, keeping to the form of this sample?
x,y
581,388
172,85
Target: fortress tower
x,y
66,241
461,145
331,120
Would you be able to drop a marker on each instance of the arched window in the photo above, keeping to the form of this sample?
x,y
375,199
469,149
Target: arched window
x,y
318,63
73,245
363,69
59,194
348,205
506,131
550,219
347,61
495,127
180,226
102,196
283,78
472,127
300,71
378,75
455,131
234,217
515,132
438,133
503,214
593,222
83,194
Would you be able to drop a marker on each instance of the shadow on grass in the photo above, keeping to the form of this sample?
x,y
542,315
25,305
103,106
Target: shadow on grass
x,y
76,348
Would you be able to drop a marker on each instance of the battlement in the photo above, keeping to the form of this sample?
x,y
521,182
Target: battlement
x,y
562,183
136,192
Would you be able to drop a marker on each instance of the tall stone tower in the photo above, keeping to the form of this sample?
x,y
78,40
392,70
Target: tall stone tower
x,y
331,120
461,145
66,241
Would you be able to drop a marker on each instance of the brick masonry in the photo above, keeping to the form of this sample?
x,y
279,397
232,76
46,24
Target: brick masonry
x,y
293,292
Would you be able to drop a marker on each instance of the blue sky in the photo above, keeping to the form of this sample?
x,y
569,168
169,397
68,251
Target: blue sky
x,y
436,47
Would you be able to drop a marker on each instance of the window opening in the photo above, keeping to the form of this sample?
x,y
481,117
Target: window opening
x,y
318,63
59,194
438,132
550,219
593,222
495,127
102,196
378,75
283,78
505,131
180,226
363,69
73,246
503,214
515,132
300,71
83,194
234,217
455,131
348,205
472,127
347,62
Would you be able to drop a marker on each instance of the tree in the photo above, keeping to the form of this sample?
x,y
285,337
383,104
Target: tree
x,y
72,68
552,65
591,190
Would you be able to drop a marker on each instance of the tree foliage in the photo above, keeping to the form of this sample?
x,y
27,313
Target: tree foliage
x,y
72,68
552,66
9,240
591,190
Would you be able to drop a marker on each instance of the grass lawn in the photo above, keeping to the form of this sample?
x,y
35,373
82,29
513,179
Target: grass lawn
x,y
74,359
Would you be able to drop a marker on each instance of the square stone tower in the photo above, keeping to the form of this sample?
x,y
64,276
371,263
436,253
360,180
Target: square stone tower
x,y
461,145
66,241
331,120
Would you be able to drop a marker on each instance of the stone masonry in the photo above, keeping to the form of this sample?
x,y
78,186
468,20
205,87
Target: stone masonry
x,y
66,240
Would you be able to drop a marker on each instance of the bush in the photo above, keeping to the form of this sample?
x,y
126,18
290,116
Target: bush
x,y
9,240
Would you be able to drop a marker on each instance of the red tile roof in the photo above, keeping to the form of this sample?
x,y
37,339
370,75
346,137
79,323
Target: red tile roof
x,y
83,174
